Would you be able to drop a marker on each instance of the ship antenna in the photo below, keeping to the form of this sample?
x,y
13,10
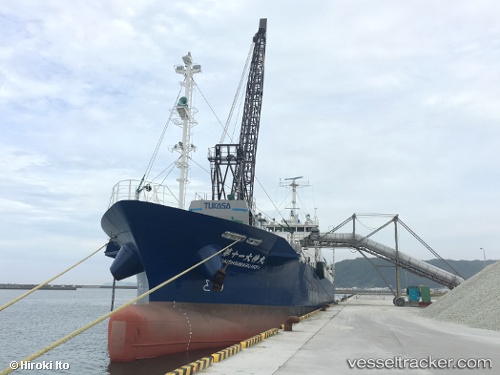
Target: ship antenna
x,y
186,121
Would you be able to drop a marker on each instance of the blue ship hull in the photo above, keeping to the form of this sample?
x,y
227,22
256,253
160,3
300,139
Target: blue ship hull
x,y
264,274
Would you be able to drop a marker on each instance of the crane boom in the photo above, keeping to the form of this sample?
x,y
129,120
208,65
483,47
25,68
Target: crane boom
x,y
238,160
245,172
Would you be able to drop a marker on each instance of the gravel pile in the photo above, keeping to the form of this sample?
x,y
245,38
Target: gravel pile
x,y
475,303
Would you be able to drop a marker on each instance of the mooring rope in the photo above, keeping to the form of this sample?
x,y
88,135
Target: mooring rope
x,y
53,278
113,295
105,316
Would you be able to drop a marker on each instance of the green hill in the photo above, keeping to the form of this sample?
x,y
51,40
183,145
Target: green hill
x,y
362,274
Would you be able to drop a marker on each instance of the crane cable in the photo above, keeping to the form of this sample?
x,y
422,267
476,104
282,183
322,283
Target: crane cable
x,y
244,73
15,365
237,95
51,279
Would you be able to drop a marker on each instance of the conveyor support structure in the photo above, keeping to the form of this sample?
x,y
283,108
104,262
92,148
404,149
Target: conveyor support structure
x,y
413,265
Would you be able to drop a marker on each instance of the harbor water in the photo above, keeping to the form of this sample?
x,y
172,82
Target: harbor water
x,y
48,315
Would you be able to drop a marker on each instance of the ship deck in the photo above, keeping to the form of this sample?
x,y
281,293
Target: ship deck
x,y
367,327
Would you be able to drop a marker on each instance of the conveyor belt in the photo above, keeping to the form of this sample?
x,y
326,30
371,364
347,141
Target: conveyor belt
x,y
377,249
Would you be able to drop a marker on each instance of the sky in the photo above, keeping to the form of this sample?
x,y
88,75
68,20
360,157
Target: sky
x,y
387,107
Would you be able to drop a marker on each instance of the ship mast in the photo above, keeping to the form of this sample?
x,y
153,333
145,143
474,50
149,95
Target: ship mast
x,y
293,184
186,121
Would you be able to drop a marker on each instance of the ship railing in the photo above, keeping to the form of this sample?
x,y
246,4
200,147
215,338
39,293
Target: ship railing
x,y
143,191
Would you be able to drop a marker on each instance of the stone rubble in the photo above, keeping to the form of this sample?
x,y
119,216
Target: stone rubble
x,y
475,303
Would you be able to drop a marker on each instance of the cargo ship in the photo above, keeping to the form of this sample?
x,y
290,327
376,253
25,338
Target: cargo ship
x,y
258,273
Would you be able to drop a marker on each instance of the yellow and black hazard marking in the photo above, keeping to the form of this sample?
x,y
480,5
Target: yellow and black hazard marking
x,y
269,333
225,353
193,367
203,363
310,314
258,338
251,341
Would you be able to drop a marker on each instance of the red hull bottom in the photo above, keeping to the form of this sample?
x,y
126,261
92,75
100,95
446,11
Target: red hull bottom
x,y
160,328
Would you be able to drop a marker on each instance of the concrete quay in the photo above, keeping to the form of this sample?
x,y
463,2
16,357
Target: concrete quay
x,y
397,340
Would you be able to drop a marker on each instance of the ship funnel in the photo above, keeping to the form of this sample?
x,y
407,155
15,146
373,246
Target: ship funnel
x,y
183,102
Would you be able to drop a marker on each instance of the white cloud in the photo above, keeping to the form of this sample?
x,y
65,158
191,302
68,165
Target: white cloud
x,y
382,106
